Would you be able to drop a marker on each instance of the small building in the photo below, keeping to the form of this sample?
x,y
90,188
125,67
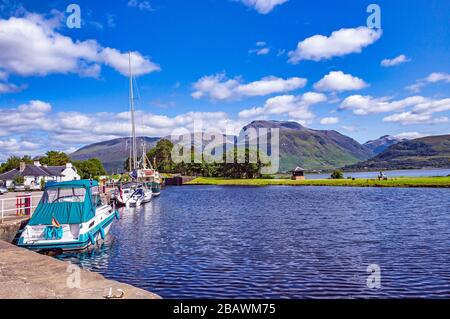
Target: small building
x,y
34,173
298,174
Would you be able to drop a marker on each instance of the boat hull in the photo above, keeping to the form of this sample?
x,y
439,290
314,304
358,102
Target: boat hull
x,y
86,239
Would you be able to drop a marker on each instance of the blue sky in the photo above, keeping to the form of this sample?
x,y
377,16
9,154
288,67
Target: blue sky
x,y
222,61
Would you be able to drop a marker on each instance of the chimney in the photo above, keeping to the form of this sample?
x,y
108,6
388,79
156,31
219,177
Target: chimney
x,y
37,163
69,165
22,166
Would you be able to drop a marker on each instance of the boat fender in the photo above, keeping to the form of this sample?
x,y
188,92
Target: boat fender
x,y
92,239
58,233
48,233
102,233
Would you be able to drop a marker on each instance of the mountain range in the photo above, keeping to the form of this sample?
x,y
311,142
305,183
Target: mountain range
x,y
379,145
305,147
426,152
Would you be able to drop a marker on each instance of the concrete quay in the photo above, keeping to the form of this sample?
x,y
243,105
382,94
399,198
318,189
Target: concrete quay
x,y
28,275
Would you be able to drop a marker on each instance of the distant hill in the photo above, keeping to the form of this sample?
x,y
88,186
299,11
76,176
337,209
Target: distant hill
x,y
113,153
299,146
426,152
314,149
379,145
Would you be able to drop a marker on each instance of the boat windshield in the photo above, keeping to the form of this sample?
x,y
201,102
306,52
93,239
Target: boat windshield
x,y
64,195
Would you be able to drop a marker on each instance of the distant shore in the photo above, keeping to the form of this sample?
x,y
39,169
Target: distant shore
x,y
436,182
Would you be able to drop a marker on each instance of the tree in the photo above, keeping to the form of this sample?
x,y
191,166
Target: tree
x,y
13,162
337,175
162,155
55,158
90,169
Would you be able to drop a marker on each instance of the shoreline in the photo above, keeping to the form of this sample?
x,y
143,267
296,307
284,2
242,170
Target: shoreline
x,y
400,182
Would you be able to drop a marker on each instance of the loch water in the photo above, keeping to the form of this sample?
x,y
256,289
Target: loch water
x,y
281,242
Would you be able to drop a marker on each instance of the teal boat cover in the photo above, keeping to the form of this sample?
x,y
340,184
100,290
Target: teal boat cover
x,y
65,212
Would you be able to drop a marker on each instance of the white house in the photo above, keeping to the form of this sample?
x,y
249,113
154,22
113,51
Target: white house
x,y
33,174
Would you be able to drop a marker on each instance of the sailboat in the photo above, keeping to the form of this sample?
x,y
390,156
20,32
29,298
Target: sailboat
x,y
135,193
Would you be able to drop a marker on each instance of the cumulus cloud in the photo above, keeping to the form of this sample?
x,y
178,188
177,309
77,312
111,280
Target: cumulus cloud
x,y
421,110
263,6
339,81
395,61
31,45
339,43
364,105
406,118
10,88
295,107
219,87
432,78
329,120
69,130
13,146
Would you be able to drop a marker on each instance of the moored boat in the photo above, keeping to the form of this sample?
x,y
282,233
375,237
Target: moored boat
x,y
70,216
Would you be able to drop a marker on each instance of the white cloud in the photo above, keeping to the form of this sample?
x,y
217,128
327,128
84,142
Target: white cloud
x,y
409,135
339,81
395,61
141,5
339,43
30,45
261,49
329,120
219,87
364,105
432,78
350,128
13,146
263,6
421,108
10,88
295,107
66,130
406,118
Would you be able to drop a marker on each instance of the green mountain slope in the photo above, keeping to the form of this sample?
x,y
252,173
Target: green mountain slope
x,y
426,152
314,149
112,153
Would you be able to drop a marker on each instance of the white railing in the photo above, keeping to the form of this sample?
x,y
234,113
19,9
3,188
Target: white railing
x,y
18,207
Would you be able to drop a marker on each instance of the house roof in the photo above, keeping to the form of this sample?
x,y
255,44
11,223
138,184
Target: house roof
x,y
34,171
54,170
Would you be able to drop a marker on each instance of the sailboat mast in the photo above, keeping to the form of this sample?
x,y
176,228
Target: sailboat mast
x,y
133,122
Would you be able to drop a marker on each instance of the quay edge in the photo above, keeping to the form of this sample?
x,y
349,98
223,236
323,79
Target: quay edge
x,y
28,275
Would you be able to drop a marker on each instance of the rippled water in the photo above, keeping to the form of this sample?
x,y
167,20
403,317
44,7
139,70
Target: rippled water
x,y
281,242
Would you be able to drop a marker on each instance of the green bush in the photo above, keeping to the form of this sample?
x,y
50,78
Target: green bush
x,y
337,175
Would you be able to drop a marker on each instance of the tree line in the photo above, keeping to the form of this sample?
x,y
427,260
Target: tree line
x,y
91,168
161,154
